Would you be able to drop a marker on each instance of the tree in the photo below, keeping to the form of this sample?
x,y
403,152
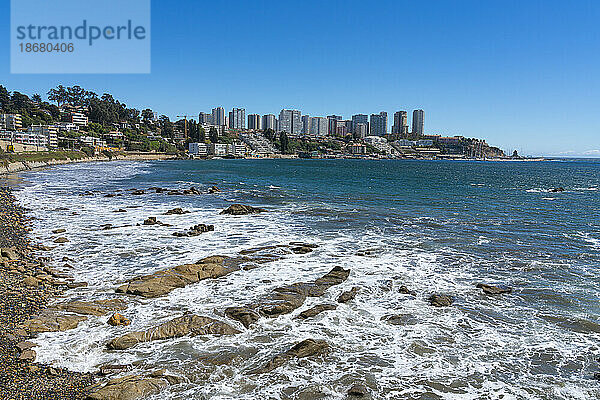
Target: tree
x,y
59,95
285,142
269,134
36,98
147,115
213,135
4,98
19,102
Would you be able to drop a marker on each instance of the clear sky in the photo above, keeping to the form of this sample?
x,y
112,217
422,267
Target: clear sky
x,y
522,74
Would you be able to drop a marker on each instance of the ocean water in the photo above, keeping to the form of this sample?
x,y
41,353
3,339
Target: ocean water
x,y
431,226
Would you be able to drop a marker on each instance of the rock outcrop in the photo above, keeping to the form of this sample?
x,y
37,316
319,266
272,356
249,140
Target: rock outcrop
x,y
176,211
96,307
285,299
347,296
191,325
163,282
306,348
132,387
195,230
52,321
241,209
316,310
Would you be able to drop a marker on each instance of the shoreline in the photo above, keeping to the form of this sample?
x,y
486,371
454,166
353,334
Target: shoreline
x,y
28,287
21,166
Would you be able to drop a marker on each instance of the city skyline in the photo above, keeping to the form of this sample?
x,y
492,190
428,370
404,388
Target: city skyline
x,y
506,72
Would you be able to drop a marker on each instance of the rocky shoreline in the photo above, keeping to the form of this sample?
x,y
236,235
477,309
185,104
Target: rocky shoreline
x,y
30,286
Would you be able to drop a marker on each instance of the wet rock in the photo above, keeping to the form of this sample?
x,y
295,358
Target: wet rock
x,y
244,315
163,282
301,249
241,209
557,190
25,345
401,319
316,310
158,189
303,244
120,210
285,299
191,325
97,307
52,321
597,376
75,285
358,391
28,355
176,211
491,289
61,240
131,387
191,190
118,320
404,290
306,348
138,192
174,193
213,189
57,231
151,221
440,300
195,230
347,296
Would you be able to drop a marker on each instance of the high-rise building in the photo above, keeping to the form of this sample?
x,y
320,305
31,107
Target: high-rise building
x,y
306,124
418,123
11,122
269,122
218,116
290,121
318,126
359,119
204,118
332,123
348,124
378,124
361,130
237,118
400,126
254,121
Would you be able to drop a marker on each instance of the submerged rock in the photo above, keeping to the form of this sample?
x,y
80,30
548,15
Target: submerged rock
x,y
61,240
404,290
138,192
306,348
316,310
358,391
440,300
491,289
241,209
347,296
191,325
195,230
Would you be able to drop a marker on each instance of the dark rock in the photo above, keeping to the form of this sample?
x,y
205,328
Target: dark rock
x,y
557,190
404,290
440,300
57,231
491,289
358,390
174,193
242,314
597,376
316,310
176,211
213,189
347,296
151,221
138,192
306,348
109,369
120,210
61,240
401,319
301,249
191,325
195,230
241,209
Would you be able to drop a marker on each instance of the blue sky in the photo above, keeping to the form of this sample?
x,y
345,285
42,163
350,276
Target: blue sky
x,y
521,74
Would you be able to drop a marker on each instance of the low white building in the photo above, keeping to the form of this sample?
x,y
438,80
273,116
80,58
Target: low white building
x,y
79,118
67,127
198,149
50,132
11,122
236,149
218,149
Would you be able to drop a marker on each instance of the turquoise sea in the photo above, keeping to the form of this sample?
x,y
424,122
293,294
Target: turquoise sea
x,y
432,226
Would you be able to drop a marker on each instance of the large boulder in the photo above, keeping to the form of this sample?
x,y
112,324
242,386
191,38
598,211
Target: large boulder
x,y
163,282
52,321
241,209
306,348
440,300
316,310
348,295
176,211
10,252
191,325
